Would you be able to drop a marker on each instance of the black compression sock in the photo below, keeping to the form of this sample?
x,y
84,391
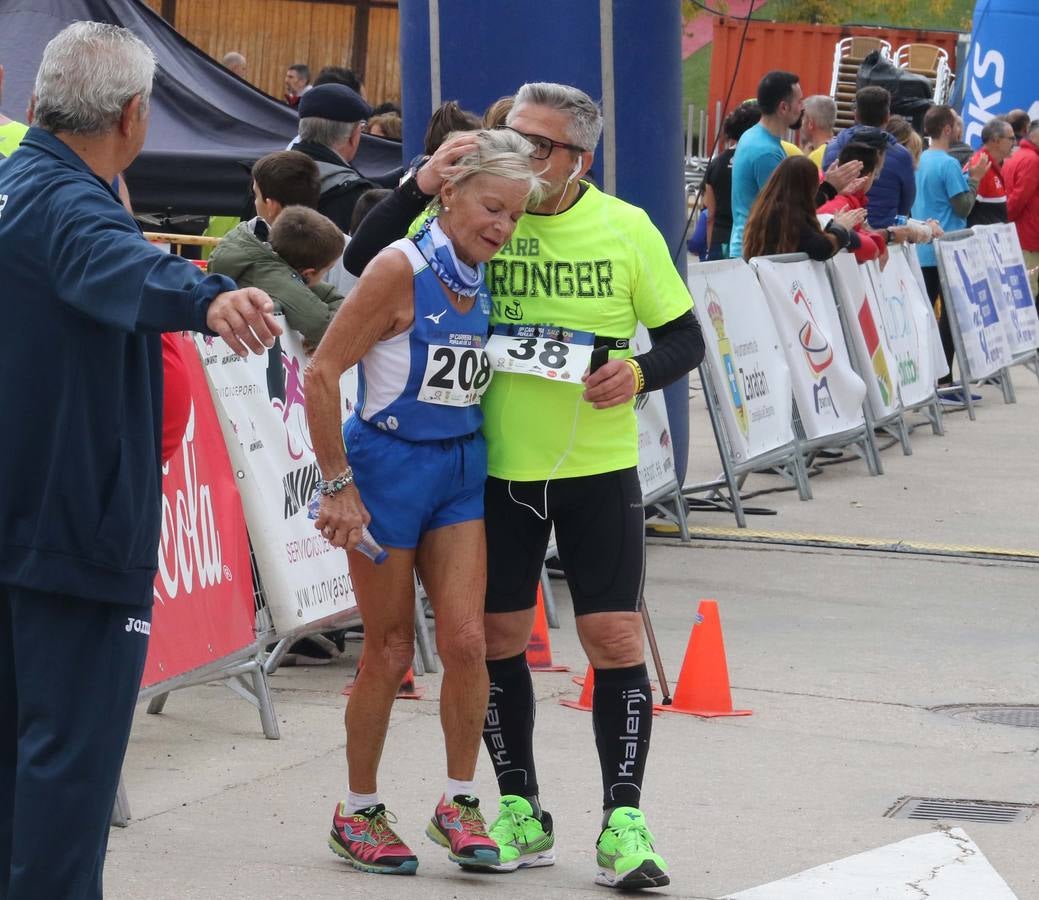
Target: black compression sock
x,y
622,716
508,731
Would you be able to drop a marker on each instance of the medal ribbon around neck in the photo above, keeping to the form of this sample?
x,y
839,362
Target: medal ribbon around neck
x,y
459,277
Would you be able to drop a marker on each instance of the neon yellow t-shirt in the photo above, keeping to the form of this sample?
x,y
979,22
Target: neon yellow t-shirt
x,y
791,149
600,266
11,136
817,155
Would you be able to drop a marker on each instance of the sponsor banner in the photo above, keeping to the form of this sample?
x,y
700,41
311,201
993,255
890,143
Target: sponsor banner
x,y
204,588
749,371
982,335
828,392
656,454
260,402
1008,279
998,73
876,360
941,364
906,318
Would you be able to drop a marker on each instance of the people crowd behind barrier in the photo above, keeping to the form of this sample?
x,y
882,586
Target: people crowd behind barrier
x,y
997,143
249,253
760,151
820,117
413,471
783,218
1021,172
947,194
79,538
717,195
894,189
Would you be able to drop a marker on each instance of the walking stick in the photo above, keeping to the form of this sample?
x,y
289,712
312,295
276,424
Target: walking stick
x,y
658,664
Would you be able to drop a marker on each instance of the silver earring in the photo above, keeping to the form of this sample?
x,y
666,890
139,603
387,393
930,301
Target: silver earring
x,y
446,208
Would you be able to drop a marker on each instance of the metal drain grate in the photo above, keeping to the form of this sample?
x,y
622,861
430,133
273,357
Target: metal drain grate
x,y
934,809
1020,716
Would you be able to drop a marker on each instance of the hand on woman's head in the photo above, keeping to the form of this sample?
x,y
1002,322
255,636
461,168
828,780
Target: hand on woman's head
x,y
441,165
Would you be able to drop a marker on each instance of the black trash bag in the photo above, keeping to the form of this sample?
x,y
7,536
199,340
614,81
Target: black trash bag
x,y
878,71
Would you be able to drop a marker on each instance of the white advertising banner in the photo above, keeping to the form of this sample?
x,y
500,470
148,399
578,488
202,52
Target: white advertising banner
x,y
259,400
941,364
748,367
828,392
1008,279
907,319
982,335
876,361
656,452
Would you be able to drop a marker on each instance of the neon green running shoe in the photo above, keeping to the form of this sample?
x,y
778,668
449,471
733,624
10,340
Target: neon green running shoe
x,y
524,840
625,853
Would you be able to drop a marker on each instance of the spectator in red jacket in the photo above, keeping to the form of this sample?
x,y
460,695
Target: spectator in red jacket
x,y
1021,175
872,244
997,143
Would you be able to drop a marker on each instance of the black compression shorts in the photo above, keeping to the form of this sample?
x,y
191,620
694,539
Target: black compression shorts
x,y
600,533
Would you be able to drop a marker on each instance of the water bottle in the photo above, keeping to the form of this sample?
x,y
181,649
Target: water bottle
x,y
901,220
367,545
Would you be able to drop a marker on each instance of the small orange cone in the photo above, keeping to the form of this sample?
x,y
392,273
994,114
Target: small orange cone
x,y
584,702
407,690
703,683
539,648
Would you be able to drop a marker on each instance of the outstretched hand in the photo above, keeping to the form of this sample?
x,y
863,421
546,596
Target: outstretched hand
x,y
244,319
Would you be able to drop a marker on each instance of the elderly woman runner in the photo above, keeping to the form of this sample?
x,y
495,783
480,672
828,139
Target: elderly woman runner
x,y
413,471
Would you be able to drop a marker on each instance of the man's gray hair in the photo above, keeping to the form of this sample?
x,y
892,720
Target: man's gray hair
x,y
821,110
585,116
88,74
995,128
500,153
326,131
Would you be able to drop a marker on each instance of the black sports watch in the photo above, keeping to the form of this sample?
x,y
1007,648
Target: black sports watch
x,y
409,188
889,235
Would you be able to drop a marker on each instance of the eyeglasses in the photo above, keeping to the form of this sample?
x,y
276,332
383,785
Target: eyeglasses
x,y
544,146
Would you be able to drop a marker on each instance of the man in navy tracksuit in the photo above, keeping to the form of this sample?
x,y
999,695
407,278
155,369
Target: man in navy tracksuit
x,y
84,299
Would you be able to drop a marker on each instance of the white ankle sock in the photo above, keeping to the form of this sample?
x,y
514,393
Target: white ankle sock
x,y
456,787
357,802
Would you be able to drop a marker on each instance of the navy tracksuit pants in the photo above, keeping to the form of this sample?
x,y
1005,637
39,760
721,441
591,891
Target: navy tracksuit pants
x,y
70,670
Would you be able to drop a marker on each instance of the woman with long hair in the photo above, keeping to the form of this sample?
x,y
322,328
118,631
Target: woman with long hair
x,y
783,217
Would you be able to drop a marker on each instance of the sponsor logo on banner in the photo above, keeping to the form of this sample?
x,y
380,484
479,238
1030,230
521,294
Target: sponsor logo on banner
x,y
305,579
203,589
656,455
987,72
748,372
1008,283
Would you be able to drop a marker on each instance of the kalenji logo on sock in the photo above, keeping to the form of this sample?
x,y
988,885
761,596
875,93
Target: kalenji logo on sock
x,y
138,625
634,698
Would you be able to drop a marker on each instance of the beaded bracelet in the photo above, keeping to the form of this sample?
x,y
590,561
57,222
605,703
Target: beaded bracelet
x,y
335,485
640,379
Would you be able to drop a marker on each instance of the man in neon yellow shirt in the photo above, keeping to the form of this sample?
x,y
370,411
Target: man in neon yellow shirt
x,y
11,132
582,269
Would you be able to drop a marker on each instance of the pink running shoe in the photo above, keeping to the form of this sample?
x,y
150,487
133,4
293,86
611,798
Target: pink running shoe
x,y
366,841
459,825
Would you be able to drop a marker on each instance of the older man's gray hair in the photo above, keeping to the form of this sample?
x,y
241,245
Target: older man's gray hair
x,y
995,128
326,131
585,115
88,74
821,110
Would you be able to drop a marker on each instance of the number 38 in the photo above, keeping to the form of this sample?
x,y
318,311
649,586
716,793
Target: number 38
x,y
552,356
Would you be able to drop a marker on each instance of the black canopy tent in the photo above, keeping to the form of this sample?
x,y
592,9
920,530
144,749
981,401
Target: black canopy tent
x,y
207,125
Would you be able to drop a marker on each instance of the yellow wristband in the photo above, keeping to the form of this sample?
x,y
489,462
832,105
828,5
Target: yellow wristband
x,y
640,379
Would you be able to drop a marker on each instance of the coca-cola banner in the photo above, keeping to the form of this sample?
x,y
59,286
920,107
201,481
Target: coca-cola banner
x,y
869,344
204,590
829,394
260,403
962,263
749,370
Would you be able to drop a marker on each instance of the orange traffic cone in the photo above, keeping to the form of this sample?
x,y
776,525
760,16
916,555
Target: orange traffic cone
x,y
703,683
407,690
584,702
539,648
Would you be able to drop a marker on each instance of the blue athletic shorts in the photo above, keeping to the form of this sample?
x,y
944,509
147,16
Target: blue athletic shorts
x,y
411,487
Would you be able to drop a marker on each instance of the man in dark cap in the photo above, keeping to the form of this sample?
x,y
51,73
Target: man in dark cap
x,y
331,117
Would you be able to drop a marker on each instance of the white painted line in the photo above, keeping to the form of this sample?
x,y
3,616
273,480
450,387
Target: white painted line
x,y
943,865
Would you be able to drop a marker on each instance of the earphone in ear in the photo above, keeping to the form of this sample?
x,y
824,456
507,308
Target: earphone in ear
x,y
576,171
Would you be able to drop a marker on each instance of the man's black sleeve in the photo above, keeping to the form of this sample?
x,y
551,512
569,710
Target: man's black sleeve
x,y
387,221
678,348
339,204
